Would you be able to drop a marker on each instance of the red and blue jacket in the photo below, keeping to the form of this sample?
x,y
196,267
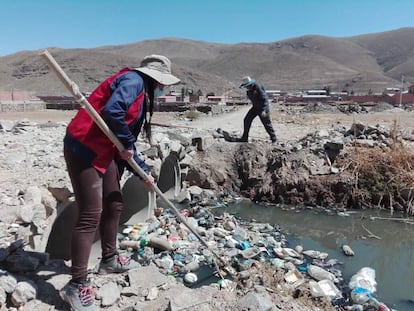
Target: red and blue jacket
x,y
120,101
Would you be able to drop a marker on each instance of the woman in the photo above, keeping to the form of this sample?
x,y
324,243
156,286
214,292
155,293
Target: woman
x,y
95,166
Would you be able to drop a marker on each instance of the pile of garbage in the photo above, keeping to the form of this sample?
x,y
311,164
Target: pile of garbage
x,y
256,255
246,248
363,286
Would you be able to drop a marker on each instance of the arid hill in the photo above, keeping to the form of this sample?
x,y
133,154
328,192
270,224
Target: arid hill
x,y
359,63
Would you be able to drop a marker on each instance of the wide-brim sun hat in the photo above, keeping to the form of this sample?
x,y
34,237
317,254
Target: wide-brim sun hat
x,y
247,81
158,67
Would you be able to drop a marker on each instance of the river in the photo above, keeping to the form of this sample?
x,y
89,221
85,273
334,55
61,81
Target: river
x,y
390,253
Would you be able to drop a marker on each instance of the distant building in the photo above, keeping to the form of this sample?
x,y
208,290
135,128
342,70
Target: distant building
x,y
274,93
16,96
60,102
216,99
168,98
19,101
339,95
391,90
311,95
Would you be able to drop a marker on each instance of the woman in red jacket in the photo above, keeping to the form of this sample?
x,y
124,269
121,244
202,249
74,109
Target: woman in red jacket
x,y
95,166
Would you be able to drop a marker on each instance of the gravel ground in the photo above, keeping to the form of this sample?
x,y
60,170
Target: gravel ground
x,y
289,123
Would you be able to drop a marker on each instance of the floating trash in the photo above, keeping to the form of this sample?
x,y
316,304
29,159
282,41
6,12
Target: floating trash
x,y
190,278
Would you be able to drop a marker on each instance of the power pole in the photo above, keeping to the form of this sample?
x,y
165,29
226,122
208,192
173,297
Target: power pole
x,y
401,90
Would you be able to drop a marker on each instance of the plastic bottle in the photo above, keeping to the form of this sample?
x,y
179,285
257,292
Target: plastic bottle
x,y
378,305
153,226
242,245
360,295
239,234
143,242
357,307
140,252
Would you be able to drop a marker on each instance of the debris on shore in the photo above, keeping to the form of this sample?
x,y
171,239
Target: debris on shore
x,y
262,272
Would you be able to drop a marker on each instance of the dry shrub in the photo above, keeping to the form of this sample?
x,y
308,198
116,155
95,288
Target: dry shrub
x,y
192,114
380,175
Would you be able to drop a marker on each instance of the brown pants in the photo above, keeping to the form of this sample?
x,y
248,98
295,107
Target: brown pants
x,y
99,201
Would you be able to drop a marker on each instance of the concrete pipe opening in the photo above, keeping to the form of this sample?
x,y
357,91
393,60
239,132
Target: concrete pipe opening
x,y
139,204
169,181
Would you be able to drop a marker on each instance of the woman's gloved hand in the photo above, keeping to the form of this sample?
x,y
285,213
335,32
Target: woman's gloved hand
x,y
149,181
126,154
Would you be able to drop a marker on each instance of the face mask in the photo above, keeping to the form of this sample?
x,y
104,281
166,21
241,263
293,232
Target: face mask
x,y
158,92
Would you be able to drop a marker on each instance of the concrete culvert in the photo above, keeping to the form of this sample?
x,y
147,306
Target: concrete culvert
x,y
169,181
139,204
139,201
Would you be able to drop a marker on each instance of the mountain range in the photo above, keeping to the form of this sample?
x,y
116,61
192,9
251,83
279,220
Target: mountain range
x,y
361,64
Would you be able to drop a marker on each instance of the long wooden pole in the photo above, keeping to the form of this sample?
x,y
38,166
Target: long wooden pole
x,y
74,89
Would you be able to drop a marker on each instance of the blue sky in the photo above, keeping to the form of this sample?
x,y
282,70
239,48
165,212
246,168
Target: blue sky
x,y
39,24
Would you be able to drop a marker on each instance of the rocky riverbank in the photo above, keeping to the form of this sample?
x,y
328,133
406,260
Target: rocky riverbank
x,y
309,170
35,186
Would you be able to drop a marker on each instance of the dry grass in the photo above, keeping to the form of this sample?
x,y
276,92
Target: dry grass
x,y
381,174
192,114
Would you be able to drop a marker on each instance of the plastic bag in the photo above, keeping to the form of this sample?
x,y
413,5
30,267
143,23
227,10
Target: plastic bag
x,y
360,295
364,278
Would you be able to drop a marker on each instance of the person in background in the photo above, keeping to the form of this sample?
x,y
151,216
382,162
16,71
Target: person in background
x,y
125,102
257,95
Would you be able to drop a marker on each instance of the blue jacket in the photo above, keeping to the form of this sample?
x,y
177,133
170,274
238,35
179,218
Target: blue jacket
x,y
120,101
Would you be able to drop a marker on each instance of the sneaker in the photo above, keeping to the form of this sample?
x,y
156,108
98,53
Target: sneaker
x,y
117,264
79,296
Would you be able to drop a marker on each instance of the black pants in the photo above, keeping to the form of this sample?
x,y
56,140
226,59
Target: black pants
x,y
99,200
267,123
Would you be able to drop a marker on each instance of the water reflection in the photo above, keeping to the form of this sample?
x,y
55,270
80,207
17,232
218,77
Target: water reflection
x,y
391,256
